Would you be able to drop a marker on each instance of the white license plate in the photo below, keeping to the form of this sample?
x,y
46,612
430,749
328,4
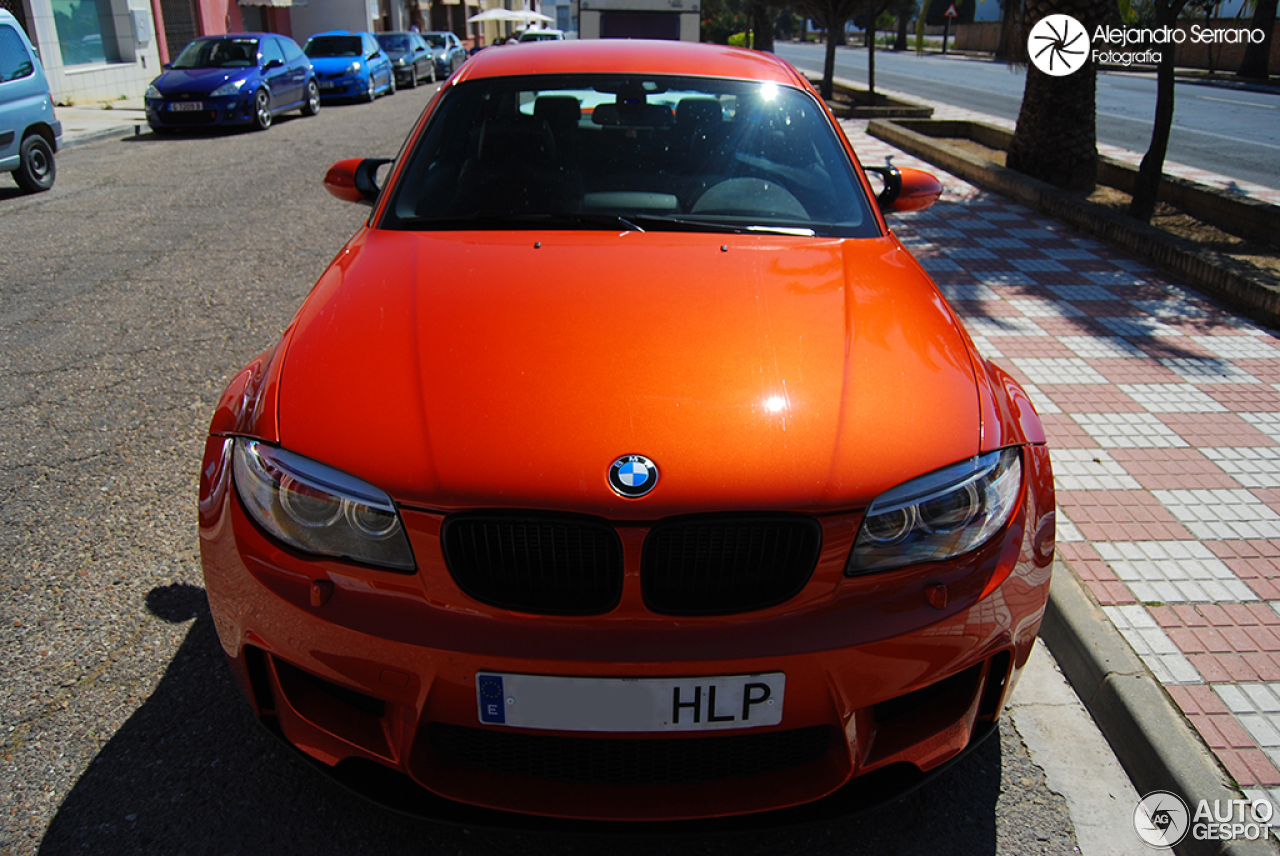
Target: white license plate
x,y
630,704
326,85
184,106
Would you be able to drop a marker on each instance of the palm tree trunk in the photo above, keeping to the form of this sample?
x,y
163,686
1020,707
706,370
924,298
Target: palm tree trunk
x,y
1151,171
1056,136
1257,57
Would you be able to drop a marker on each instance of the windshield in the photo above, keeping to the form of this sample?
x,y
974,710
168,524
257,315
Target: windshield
x,y
334,46
539,37
604,151
218,53
394,44
434,40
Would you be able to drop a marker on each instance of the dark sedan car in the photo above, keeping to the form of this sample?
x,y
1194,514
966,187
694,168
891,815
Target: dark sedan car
x,y
235,79
411,59
448,51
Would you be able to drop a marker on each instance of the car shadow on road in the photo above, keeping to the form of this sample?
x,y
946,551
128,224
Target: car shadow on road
x,y
191,771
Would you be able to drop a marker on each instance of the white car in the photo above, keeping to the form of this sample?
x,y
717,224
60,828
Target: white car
x,y
542,35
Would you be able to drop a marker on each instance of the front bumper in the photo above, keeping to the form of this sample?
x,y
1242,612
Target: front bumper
x,y
357,667
227,110
342,86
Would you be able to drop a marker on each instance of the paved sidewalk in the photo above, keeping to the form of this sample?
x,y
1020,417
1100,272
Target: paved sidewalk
x,y
91,123
1163,414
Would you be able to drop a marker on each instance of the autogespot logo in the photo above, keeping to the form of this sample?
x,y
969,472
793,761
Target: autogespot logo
x,y
1058,45
1161,819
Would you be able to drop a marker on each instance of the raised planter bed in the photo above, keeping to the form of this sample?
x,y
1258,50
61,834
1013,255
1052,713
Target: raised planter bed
x,y
1251,289
852,102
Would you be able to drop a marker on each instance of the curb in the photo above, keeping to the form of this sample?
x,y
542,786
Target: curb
x,y
115,132
1153,741
1203,268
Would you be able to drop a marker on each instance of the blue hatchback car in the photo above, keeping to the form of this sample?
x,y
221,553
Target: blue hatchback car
x,y
235,79
350,65
29,132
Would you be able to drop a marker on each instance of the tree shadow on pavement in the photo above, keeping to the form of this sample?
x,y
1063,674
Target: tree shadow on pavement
x,y
191,771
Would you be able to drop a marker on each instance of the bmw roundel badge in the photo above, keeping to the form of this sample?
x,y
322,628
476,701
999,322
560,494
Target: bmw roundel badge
x,y
632,476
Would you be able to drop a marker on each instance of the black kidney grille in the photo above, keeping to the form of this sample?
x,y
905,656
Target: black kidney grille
x,y
559,566
622,761
710,566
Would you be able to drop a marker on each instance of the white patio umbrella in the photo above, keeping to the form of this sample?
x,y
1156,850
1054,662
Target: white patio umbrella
x,y
496,15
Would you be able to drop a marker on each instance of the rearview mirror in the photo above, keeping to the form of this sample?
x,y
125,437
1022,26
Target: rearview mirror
x,y
355,179
906,189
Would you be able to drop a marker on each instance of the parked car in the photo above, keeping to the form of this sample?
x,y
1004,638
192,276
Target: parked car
x,y
350,65
624,465
410,57
234,79
30,132
541,36
447,50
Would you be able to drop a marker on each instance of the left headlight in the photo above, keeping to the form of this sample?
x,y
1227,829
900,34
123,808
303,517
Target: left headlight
x,y
942,514
152,92
231,87
317,508
354,68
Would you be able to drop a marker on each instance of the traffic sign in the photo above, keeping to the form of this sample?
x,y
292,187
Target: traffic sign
x,y
951,11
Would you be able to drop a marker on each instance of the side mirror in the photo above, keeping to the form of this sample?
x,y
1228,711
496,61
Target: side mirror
x,y
273,63
355,179
906,189
373,55
167,66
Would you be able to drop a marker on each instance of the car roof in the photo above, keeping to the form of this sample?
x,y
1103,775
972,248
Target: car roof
x,y
340,33
630,56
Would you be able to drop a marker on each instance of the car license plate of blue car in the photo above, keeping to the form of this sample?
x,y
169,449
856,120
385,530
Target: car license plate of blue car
x,y
324,84
630,704
186,106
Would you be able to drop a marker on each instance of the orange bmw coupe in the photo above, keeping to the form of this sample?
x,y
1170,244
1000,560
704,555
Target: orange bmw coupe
x,y
624,466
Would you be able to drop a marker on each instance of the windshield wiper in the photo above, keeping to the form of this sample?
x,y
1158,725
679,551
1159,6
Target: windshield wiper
x,y
524,221
660,223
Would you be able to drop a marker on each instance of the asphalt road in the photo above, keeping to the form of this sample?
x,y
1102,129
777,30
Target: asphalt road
x,y
1230,131
130,293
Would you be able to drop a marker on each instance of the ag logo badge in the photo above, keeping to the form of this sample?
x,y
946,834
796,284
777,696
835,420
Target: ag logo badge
x,y
632,476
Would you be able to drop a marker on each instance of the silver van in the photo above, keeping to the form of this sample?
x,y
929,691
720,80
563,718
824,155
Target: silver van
x,y
29,131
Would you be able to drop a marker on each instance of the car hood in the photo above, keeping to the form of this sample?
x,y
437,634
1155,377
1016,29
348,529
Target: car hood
x,y
197,81
460,370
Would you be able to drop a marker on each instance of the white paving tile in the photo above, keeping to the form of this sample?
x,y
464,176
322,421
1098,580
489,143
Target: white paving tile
x,y
1177,571
984,346
1172,398
940,265
1267,423
1152,644
970,253
1002,325
1179,310
1103,347
1042,370
1202,370
1090,469
1046,308
1073,254
1083,292
1252,466
1002,243
1139,327
1065,530
1039,266
1240,347
1226,514
967,292
1113,277
1044,404
1129,431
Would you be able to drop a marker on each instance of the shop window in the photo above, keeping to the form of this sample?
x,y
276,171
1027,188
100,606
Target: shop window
x,y
86,32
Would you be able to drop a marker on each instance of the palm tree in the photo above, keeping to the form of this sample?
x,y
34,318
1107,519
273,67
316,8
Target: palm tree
x,y
1151,171
1256,57
1056,136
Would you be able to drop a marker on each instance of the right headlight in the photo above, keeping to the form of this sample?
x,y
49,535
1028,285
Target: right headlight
x,y
152,92
937,516
319,509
